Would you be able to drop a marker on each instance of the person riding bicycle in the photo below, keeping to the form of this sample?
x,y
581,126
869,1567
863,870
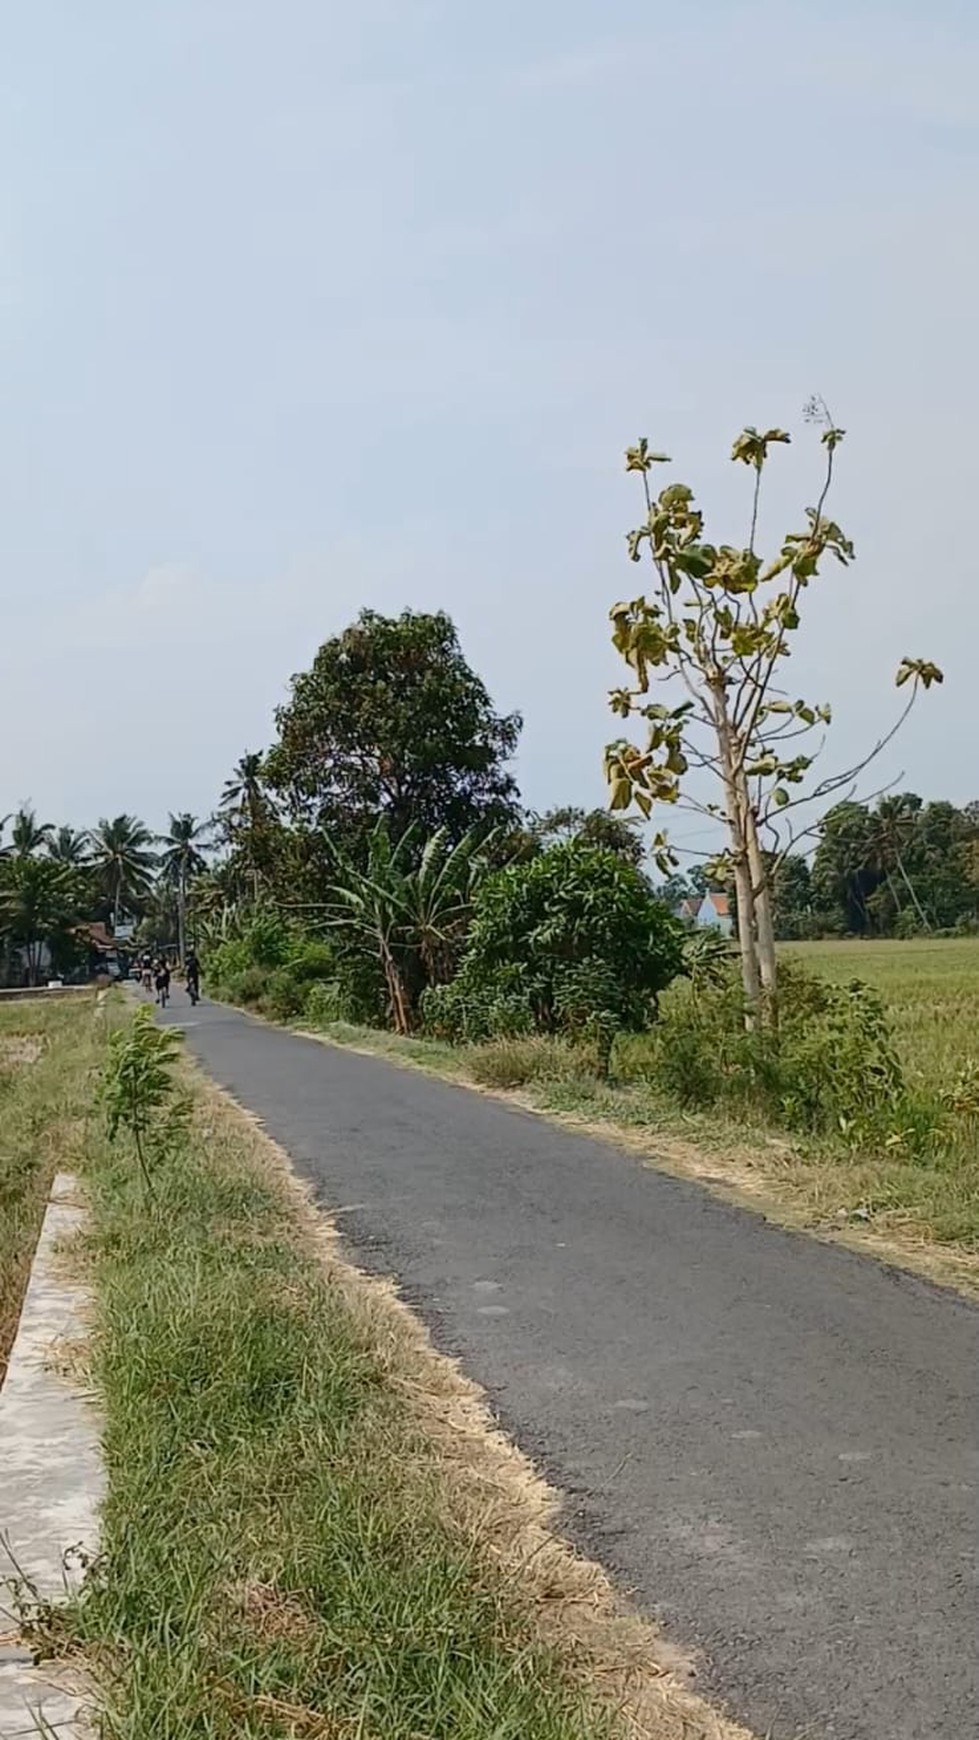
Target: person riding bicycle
x,y
192,975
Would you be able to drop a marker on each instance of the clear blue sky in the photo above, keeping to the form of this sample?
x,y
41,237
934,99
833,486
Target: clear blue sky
x,y
309,306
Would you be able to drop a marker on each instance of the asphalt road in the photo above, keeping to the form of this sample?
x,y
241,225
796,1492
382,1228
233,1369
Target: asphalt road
x,y
771,1442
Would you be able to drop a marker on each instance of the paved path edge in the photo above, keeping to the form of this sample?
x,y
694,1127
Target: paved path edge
x,y
53,1481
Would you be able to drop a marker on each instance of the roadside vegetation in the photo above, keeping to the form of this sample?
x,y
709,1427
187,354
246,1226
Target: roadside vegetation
x,y
375,867
534,953
71,898
694,1096
311,1527
42,1110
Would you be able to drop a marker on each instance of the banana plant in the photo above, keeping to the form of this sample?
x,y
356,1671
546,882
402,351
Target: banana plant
x,y
408,909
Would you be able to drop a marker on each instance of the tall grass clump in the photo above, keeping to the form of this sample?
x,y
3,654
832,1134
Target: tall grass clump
x,y
831,1070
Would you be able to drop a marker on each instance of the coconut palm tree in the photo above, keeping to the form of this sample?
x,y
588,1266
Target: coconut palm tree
x,y
124,861
28,835
182,859
71,846
246,813
244,799
892,831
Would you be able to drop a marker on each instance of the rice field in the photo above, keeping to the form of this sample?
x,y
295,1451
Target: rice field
x,y
930,989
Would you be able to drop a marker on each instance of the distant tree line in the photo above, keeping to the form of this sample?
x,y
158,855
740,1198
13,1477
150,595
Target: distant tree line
x,y
58,881
385,800
898,868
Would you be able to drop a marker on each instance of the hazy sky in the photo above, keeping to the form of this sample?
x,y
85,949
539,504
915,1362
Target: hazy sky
x,y
308,306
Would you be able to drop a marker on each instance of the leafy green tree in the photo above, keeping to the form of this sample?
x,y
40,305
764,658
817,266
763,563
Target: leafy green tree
x,y
792,896
140,1089
39,902
673,889
182,859
843,872
392,722
123,862
602,828
938,864
901,867
572,934
719,622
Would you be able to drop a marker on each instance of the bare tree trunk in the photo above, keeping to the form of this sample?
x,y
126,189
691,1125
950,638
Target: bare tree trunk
x,y
910,888
747,934
396,991
737,820
764,921
182,916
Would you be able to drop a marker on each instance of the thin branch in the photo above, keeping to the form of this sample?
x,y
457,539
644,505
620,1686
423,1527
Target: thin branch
x,y
836,781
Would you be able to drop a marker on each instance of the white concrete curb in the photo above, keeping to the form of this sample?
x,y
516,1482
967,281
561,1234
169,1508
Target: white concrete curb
x,y
51,1479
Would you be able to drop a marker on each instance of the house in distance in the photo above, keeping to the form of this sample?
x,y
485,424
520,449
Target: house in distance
x,y
707,912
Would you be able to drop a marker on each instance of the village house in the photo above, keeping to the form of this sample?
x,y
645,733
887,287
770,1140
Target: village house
x,y
707,912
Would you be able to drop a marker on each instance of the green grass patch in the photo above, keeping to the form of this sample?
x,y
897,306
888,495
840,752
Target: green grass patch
x,y
43,1099
283,1553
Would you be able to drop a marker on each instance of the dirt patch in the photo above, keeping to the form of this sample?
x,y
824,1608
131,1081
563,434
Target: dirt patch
x,y
491,1492
20,1049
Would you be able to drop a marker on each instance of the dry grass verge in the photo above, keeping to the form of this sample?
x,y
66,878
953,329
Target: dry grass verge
x,y
313,1526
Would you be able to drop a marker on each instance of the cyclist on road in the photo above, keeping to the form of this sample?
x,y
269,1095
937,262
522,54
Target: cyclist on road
x,y
162,982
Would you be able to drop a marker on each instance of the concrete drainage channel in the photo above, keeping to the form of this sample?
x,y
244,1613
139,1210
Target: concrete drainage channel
x,y
52,1480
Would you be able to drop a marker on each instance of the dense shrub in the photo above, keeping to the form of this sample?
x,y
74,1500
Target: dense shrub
x,y
573,941
261,944
324,1003
246,986
284,995
269,965
510,1063
464,1013
309,959
830,1068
